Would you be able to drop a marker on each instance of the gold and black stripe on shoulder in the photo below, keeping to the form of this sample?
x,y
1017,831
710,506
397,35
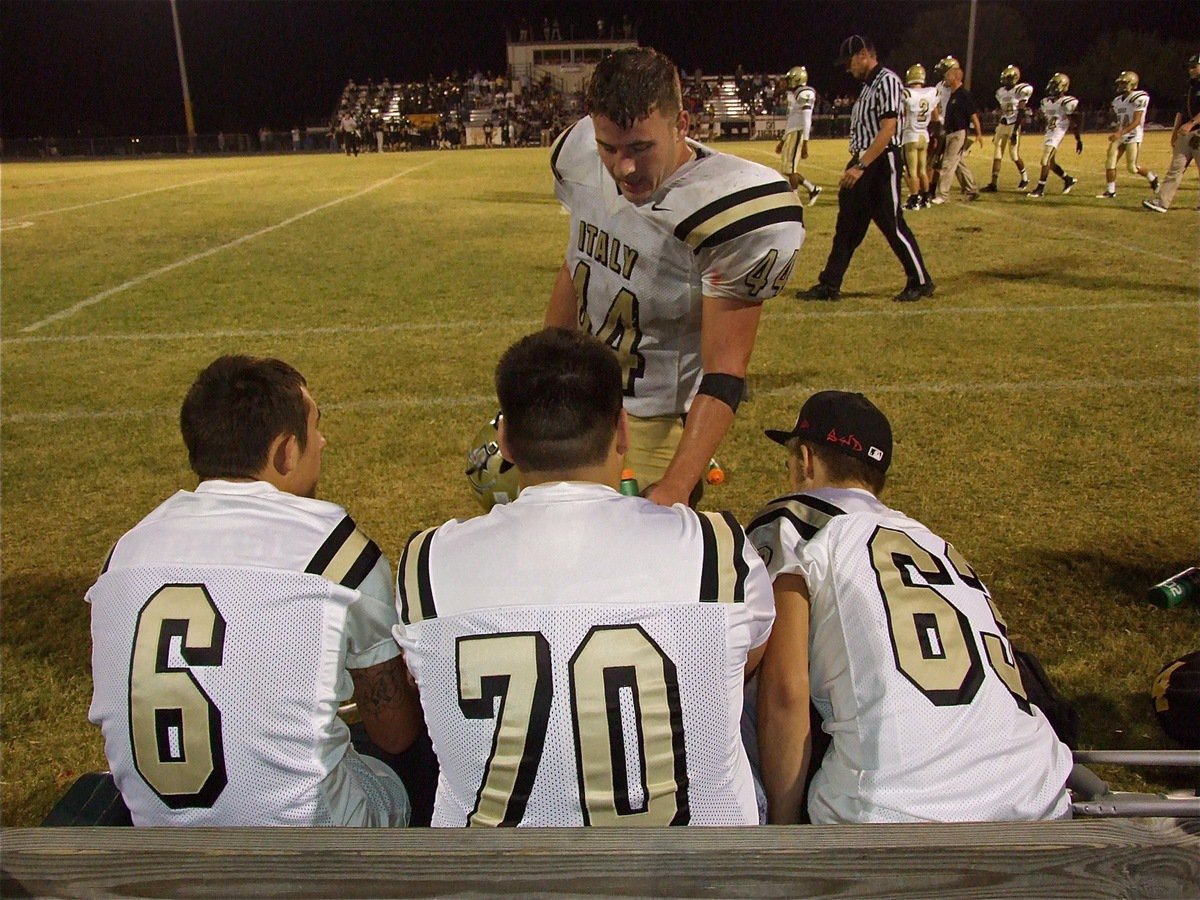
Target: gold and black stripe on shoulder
x,y
557,149
412,579
740,213
108,558
346,557
724,569
807,514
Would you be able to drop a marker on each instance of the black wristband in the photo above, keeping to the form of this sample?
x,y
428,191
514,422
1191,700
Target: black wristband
x,y
726,388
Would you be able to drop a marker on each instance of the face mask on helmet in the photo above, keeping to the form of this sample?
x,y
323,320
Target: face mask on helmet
x,y
493,479
797,76
1010,76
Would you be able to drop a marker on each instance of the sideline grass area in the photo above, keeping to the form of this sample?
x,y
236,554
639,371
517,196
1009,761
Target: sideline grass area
x,y
1045,401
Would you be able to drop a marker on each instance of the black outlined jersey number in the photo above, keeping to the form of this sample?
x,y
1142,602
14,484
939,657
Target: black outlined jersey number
x,y
933,643
174,725
620,329
625,715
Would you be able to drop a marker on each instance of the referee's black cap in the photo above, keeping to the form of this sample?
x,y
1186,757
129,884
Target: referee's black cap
x,y
851,46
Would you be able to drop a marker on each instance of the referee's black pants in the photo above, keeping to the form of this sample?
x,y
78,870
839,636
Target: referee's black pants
x,y
875,197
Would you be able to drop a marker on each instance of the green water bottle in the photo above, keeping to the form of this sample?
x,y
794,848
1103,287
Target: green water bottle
x,y
1178,590
629,485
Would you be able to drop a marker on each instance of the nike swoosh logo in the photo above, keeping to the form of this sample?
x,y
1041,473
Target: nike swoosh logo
x,y
657,208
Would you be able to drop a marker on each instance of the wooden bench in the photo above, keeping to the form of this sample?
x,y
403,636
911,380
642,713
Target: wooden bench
x,y
1098,857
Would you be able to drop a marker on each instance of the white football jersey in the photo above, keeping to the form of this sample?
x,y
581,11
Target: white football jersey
x,y
1057,112
222,628
1126,107
800,105
580,657
916,111
1010,100
720,227
911,671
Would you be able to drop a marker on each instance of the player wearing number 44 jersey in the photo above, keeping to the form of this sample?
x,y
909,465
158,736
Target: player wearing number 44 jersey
x,y
672,249
580,654
898,643
230,623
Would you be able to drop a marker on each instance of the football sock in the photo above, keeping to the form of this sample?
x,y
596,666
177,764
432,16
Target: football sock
x,y
1112,186
807,185
1041,184
1024,175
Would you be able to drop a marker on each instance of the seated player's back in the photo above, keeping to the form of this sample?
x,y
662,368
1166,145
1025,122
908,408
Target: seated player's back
x,y
588,668
222,625
918,688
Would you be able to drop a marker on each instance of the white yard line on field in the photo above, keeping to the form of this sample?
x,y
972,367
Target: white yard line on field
x,y
780,309
158,190
435,401
211,251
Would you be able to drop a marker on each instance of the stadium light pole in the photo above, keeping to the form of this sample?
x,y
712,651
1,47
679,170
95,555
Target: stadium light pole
x,y
187,94
970,44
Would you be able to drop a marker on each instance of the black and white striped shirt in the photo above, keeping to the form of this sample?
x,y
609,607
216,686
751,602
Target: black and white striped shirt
x,y
878,100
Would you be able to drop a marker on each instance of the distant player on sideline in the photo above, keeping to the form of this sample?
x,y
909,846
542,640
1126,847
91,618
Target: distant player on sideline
x,y
581,654
801,99
919,104
1059,109
898,643
673,248
1013,95
1129,107
231,622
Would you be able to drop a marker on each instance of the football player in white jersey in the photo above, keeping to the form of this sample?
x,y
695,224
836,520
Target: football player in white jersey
x,y
231,622
793,146
918,105
581,654
898,643
1013,95
1060,110
1129,107
672,250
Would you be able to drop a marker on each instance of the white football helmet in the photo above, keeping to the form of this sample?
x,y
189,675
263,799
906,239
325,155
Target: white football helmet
x,y
493,478
797,76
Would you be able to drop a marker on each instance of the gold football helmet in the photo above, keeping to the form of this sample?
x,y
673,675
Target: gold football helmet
x,y
915,74
1127,81
797,76
1010,76
945,64
493,478
1058,84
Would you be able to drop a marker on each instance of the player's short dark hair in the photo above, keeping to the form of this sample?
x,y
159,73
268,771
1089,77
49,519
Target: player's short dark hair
x,y
233,411
841,467
629,84
560,393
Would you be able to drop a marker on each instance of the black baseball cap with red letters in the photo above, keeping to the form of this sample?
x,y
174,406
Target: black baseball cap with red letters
x,y
846,422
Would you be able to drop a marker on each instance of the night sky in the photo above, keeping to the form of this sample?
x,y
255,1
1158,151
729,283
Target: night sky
x,y
108,67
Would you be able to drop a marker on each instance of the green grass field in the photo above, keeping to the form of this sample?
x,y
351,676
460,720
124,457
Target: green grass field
x,y
1045,401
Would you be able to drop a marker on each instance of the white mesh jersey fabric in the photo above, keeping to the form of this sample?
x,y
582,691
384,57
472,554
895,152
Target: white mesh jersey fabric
x,y
254,693
895,613
582,608
649,265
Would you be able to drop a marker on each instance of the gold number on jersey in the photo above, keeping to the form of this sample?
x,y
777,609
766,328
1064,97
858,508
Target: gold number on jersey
x,y
620,328
174,725
513,670
628,725
931,638
625,713
785,273
760,276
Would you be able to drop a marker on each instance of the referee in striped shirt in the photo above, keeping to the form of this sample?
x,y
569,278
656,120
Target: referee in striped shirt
x,y
870,186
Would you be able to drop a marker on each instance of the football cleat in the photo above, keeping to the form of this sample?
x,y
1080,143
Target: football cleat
x,y
1037,193
493,478
1022,184
1107,195
1127,81
1010,76
989,188
1058,84
1154,183
915,74
913,202
797,76
814,194
1068,183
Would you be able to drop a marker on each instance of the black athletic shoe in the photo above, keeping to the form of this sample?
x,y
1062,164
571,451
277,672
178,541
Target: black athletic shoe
x,y
1068,183
820,291
1022,184
1154,184
989,188
915,292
